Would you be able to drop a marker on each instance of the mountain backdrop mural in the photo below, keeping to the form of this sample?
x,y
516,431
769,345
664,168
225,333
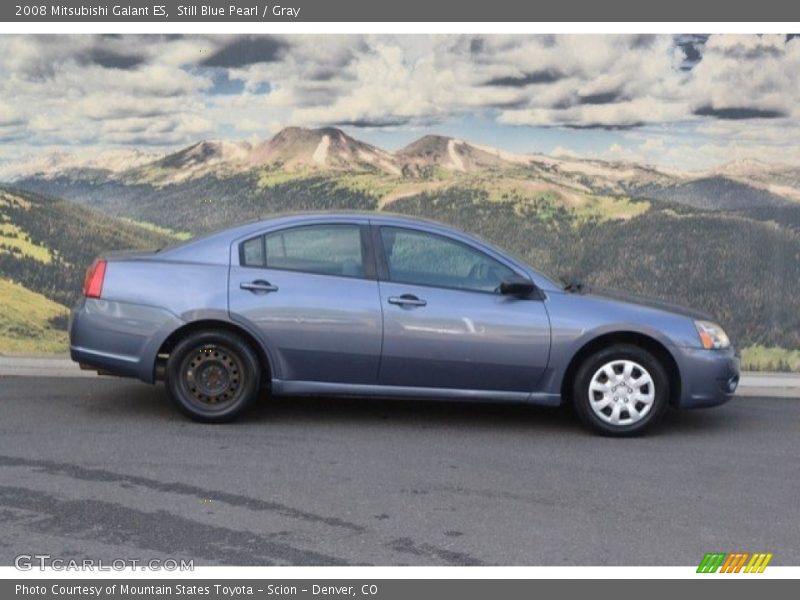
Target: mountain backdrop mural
x,y
725,240
662,165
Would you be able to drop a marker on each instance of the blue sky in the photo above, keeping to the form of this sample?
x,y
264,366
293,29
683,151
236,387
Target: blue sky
x,y
686,102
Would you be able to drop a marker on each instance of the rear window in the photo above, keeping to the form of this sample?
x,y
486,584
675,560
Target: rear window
x,y
321,249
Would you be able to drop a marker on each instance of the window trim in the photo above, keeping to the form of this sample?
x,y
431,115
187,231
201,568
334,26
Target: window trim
x,y
383,261
367,250
242,263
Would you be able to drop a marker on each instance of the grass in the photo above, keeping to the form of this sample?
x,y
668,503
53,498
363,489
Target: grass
x,y
178,235
532,196
371,184
27,321
270,178
7,199
607,208
764,358
14,240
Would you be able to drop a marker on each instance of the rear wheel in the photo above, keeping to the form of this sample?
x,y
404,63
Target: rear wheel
x,y
621,390
213,376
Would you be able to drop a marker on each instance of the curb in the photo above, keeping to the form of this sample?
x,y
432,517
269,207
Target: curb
x,y
752,384
41,366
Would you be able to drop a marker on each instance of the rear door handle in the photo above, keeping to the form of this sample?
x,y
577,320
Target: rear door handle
x,y
259,285
407,300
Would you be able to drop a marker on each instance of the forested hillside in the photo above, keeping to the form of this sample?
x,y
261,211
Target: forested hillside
x,y
45,246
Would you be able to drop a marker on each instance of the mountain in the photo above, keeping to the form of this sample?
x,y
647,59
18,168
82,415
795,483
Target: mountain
x,y
218,157
65,164
204,154
714,192
296,148
604,177
779,179
421,157
331,153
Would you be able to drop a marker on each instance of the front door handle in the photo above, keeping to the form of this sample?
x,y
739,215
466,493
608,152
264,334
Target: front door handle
x,y
407,300
259,285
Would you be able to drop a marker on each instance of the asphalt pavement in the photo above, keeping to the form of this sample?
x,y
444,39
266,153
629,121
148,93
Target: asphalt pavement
x,y
106,468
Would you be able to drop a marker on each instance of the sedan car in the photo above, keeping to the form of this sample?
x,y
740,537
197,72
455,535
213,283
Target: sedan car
x,y
381,305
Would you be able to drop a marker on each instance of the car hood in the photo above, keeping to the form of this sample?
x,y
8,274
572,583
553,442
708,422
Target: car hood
x,y
646,301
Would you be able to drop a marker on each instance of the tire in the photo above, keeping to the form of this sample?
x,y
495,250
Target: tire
x,y
213,376
621,390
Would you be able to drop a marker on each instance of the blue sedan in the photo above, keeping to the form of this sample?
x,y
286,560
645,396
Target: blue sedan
x,y
381,305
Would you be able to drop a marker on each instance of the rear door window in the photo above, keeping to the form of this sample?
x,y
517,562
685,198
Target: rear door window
x,y
335,249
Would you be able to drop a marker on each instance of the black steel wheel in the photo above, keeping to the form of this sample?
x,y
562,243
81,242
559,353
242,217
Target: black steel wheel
x,y
213,376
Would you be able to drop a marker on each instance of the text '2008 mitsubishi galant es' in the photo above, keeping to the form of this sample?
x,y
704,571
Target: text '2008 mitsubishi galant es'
x,y
387,306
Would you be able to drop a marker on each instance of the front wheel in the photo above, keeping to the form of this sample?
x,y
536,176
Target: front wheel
x,y
213,376
621,390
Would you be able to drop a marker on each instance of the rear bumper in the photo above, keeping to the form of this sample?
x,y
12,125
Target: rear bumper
x,y
105,362
118,338
708,377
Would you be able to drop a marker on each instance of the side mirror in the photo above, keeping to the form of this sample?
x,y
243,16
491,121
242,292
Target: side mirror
x,y
516,285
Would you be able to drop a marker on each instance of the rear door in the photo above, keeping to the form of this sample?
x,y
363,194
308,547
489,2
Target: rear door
x,y
445,323
311,293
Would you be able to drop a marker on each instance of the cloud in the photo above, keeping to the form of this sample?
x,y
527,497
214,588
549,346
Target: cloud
x,y
112,60
692,46
248,50
379,123
526,79
652,144
746,77
165,130
252,125
738,112
601,98
719,91
617,152
9,115
564,152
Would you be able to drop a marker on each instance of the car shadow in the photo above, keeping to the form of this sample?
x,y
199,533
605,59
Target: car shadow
x,y
428,412
480,415
141,401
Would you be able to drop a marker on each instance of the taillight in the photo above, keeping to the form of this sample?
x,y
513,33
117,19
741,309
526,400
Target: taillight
x,y
93,284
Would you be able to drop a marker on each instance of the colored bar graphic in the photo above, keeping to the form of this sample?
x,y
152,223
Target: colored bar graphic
x,y
758,563
711,562
734,562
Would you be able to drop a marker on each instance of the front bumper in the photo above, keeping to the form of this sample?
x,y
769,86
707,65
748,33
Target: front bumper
x,y
708,377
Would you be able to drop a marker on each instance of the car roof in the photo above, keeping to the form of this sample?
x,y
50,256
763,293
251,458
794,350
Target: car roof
x,y
214,247
203,247
366,215
299,217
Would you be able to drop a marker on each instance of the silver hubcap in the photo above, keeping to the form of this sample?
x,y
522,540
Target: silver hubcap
x,y
621,392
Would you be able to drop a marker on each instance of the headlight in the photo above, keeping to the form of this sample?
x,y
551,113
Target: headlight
x,y
712,336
